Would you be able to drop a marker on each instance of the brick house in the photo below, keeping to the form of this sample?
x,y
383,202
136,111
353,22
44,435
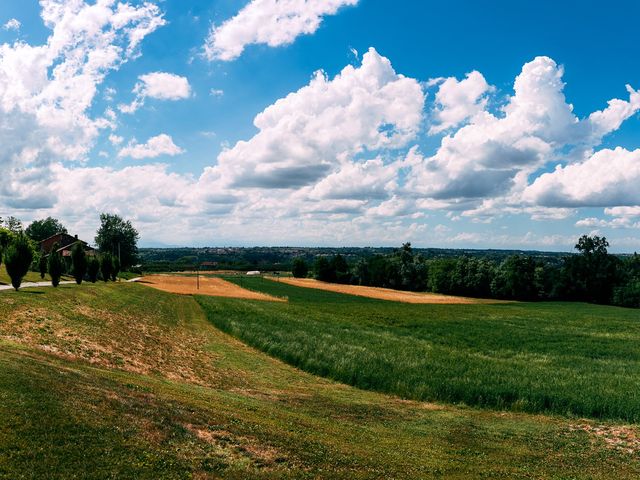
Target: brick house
x,y
65,243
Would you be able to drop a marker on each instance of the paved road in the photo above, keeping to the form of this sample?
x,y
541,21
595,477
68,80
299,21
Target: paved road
x,y
35,284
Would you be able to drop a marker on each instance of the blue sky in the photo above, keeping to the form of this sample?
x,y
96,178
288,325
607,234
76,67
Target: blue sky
x,y
461,123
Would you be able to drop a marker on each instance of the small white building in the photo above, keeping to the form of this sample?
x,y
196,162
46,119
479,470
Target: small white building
x,y
253,273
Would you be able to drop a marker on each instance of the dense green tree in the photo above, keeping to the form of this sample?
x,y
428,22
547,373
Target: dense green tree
x,y
592,246
471,277
40,230
340,269
78,262
93,268
300,269
42,266
118,237
106,266
17,258
323,271
440,275
383,272
515,278
361,275
55,265
593,274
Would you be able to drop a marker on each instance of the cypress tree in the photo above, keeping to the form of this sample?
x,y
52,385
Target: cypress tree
x,y
79,261
17,258
55,266
93,268
106,266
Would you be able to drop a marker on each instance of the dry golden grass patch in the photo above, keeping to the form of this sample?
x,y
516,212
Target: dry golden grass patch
x,y
214,287
385,293
622,438
113,339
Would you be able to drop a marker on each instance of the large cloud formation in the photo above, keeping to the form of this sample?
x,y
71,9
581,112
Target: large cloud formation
x,y
47,90
303,137
495,154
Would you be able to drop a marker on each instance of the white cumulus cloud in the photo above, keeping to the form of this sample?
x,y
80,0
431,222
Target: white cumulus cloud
x,y
493,156
153,148
303,137
457,101
270,22
608,178
158,85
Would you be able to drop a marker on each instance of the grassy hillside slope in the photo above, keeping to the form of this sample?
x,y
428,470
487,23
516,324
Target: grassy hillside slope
x,y
122,381
569,358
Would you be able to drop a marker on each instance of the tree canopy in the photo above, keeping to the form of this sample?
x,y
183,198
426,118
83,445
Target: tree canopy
x,y
300,268
119,238
40,230
12,224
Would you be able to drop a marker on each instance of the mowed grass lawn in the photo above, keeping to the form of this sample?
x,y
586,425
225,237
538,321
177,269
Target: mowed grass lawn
x,y
123,381
562,358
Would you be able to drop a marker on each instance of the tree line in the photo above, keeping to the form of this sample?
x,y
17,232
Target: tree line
x,y
19,251
592,275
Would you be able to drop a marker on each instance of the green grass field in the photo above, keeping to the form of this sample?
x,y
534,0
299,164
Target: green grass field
x,y
563,358
122,381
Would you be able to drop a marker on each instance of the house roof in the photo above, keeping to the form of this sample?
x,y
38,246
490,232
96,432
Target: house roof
x,y
70,245
59,234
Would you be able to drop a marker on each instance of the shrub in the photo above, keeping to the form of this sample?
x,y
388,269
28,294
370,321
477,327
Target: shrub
x,y
115,269
106,266
93,268
17,258
628,295
42,266
79,262
55,265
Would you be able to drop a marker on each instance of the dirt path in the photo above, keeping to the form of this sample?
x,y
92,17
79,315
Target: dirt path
x,y
215,287
385,293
